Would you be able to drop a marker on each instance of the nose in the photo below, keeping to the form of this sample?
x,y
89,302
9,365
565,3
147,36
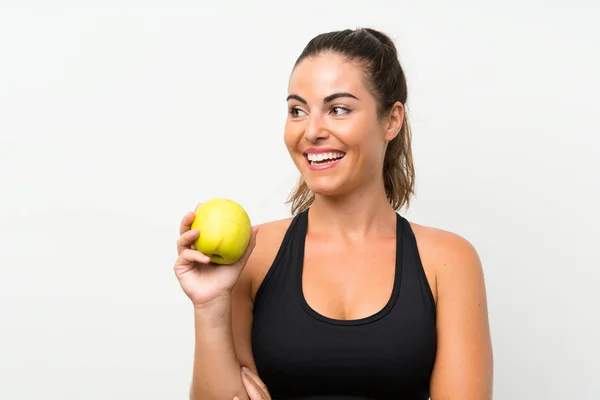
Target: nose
x,y
315,129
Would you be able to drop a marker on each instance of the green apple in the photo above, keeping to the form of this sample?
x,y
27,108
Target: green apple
x,y
225,230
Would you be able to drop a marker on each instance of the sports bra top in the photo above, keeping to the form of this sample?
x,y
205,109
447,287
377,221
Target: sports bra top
x,y
301,354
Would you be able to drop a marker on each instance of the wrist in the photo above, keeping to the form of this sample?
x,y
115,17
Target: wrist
x,y
214,311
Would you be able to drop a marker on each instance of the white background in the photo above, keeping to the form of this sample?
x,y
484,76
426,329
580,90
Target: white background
x,y
116,119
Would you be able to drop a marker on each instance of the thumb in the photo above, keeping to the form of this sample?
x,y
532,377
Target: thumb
x,y
258,389
255,387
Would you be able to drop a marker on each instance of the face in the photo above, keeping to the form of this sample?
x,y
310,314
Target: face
x,y
332,130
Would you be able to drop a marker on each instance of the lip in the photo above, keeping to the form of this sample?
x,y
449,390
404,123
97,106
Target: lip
x,y
320,150
324,166
314,167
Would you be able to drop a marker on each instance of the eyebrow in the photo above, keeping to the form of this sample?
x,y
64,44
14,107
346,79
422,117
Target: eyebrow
x,y
326,100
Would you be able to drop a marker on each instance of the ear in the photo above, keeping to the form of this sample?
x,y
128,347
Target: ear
x,y
395,120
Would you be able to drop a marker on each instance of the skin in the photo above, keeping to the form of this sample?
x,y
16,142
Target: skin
x,y
351,224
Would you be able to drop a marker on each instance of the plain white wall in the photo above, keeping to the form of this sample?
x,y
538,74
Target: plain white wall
x,y
117,118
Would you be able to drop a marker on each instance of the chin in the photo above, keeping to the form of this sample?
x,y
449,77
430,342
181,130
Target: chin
x,y
324,187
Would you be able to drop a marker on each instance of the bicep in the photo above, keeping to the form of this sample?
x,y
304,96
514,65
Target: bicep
x,y
464,365
267,240
241,320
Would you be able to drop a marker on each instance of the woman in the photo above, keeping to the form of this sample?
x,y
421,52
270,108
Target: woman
x,y
346,297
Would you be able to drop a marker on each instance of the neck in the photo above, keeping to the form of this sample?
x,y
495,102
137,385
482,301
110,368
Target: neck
x,y
363,213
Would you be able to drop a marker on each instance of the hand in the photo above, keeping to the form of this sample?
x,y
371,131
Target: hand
x,y
255,388
201,280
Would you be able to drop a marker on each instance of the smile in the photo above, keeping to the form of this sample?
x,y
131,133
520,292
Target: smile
x,y
317,161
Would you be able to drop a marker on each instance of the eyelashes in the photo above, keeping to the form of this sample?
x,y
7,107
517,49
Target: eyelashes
x,y
337,111
344,110
293,112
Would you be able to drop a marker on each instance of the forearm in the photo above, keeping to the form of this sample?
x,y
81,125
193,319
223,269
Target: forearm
x,y
217,371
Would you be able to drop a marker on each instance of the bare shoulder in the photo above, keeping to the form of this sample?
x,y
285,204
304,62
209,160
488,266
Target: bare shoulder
x,y
448,258
464,361
268,241
448,250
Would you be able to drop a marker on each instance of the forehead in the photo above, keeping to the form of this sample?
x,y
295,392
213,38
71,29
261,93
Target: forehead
x,y
326,73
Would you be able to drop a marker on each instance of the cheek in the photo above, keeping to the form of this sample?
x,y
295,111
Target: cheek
x,y
287,137
291,137
369,150
357,132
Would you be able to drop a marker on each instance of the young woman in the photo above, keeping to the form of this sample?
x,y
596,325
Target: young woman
x,y
346,298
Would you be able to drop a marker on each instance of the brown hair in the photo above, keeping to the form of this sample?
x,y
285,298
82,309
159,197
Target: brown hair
x,y
385,78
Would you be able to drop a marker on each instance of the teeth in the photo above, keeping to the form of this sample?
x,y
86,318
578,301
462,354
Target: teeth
x,y
324,156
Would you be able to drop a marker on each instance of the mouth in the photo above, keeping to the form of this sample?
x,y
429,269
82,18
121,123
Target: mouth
x,y
323,159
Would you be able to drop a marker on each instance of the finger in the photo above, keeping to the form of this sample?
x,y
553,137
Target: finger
x,y
254,391
250,248
189,256
186,240
186,222
256,379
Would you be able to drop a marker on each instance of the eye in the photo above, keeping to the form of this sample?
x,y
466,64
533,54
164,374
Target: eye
x,y
340,110
296,112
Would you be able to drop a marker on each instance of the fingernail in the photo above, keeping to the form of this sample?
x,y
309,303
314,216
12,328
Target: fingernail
x,y
244,370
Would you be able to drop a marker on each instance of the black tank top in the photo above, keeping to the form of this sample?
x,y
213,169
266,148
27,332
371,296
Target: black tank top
x,y
301,354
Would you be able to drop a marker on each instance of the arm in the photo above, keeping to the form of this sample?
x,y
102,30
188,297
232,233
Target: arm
x,y
223,339
216,373
464,363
